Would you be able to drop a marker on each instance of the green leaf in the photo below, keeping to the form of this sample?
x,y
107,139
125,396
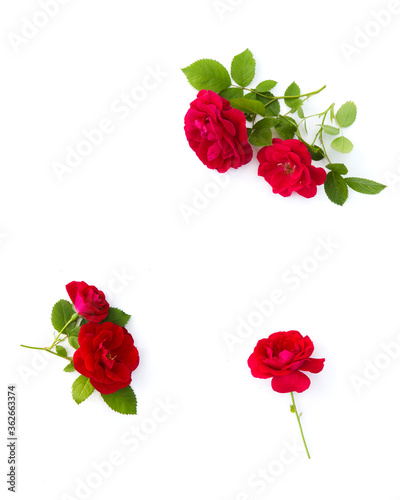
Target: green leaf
x,y
73,342
122,401
266,85
272,106
262,133
286,127
61,351
251,106
316,152
208,74
231,93
60,315
342,145
364,186
81,389
75,331
346,114
297,105
117,316
300,113
328,129
292,90
70,367
243,68
336,188
340,168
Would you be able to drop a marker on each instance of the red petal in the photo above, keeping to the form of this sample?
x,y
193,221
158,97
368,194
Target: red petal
x,y
293,382
313,365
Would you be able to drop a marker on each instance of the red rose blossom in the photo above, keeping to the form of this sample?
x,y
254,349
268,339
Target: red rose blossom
x,y
283,356
217,133
88,301
106,355
286,166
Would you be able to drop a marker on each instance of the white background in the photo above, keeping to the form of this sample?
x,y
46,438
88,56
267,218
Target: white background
x,y
188,283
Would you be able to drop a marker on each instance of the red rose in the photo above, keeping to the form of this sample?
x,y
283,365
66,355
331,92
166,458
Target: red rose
x,y
284,356
286,166
89,302
106,355
217,133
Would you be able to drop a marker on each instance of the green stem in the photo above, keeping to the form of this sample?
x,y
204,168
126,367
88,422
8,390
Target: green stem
x,y
74,317
47,349
276,98
298,420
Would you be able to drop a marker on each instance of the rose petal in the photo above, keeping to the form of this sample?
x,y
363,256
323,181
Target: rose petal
x,y
313,365
293,382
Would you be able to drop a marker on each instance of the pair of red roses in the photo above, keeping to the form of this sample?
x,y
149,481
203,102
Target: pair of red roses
x,y
106,354
217,134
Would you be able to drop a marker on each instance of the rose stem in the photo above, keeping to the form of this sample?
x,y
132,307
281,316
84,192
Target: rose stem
x,y
47,349
298,420
73,318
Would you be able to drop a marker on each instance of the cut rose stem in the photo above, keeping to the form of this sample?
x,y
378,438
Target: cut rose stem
x,y
298,420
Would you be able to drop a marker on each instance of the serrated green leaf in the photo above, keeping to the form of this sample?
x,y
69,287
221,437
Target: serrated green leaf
x,y
243,68
336,188
292,90
122,401
117,316
316,152
231,93
262,133
346,114
364,186
60,315
272,106
70,367
61,351
342,145
208,74
75,331
266,85
81,389
340,168
300,113
73,342
286,127
251,106
328,129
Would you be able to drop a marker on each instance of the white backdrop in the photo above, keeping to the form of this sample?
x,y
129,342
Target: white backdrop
x,y
205,428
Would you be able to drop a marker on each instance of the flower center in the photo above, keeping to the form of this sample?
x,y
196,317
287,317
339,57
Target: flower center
x,y
287,168
106,357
